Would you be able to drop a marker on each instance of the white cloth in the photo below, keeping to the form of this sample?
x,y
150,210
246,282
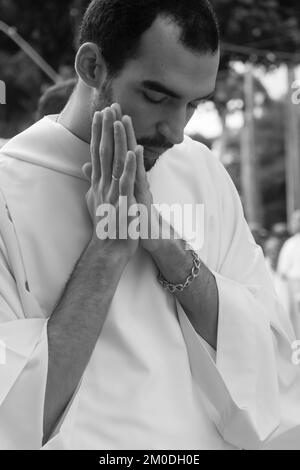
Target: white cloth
x,y
289,272
152,382
289,259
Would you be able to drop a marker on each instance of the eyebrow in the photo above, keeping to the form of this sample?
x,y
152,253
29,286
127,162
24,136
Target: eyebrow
x,y
160,88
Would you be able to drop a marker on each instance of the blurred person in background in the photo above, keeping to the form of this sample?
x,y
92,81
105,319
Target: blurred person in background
x,y
259,233
52,101
54,98
272,247
280,231
289,271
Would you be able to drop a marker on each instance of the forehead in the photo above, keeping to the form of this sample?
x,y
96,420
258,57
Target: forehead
x,y
162,57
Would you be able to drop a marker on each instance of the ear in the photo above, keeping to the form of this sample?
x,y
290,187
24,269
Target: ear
x,y
90,65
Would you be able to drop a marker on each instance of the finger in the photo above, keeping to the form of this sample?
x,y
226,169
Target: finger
x,y
126,186
94,147
120,149
117,108
114,113
141,171
107,145
119,157
131,139
87,170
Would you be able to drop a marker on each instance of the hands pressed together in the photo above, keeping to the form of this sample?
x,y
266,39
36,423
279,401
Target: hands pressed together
x,y
116,173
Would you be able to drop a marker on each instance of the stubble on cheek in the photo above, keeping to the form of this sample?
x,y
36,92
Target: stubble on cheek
x,y
102,99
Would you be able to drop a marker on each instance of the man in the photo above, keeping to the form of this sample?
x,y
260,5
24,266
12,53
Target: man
x,y
101,353
289,271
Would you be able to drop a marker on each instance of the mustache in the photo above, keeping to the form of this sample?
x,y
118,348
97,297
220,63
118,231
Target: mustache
x,y
156,142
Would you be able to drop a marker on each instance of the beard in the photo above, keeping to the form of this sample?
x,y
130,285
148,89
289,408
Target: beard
x,y
105,99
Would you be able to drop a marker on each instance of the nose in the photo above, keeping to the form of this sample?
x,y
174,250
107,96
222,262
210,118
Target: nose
x,y
173,128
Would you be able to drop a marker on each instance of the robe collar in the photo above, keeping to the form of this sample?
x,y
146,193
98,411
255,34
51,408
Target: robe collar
x,y
47,152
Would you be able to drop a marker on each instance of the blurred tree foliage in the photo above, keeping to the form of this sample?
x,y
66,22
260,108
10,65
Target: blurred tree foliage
x,y
265,25
47,26
270,151
49,29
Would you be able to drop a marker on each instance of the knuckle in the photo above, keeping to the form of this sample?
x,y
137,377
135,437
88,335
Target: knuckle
x,y
101,188
118,168
94,182
101,194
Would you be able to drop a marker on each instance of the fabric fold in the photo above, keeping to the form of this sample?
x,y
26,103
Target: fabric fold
x,y
22,384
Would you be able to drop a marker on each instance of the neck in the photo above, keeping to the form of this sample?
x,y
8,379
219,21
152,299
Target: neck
x,y
76,115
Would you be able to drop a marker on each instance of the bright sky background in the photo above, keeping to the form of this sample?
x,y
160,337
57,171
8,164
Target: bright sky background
x,y
206,120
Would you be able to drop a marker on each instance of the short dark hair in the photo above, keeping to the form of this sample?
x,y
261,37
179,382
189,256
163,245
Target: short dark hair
x,y
116,26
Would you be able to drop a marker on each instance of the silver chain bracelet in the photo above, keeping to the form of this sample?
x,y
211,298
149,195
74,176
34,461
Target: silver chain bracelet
x,y
172,288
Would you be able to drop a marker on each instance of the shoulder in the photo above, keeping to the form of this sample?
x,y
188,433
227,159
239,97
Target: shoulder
x,y
202,156
29,138
208,163
197,151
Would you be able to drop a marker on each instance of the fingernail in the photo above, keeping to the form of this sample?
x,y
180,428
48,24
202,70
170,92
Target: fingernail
x,y
117,125
131,155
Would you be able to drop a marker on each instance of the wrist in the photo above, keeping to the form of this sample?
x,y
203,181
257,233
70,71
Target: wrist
x,y
161,235
179,286
114,251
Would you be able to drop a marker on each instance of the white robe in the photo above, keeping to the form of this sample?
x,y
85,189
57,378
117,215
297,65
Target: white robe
x,y
152,382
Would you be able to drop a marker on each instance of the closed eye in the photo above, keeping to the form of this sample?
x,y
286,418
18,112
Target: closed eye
x,y
154,97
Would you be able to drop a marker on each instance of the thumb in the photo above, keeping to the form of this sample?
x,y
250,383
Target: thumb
x,y
87,171
141,172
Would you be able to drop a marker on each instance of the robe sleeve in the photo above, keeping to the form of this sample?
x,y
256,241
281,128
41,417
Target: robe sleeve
x,y
23,347
251,386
